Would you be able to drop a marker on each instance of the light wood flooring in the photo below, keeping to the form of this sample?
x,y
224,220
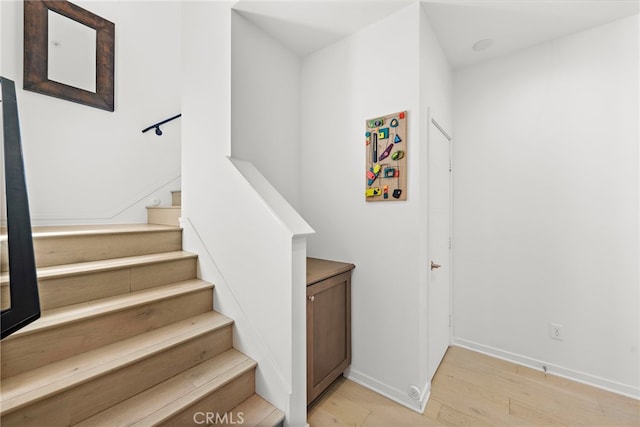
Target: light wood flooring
x,y
471,389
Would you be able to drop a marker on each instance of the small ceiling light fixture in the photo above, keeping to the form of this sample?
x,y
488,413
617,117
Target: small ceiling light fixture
x,y
483,44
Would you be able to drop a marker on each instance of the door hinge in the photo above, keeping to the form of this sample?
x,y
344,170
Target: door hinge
x,y
449,243
449,320
450,166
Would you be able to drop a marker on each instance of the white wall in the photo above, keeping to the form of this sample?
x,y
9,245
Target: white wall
x,y
546,206
251,243
371,73
265,106
87,165
436,98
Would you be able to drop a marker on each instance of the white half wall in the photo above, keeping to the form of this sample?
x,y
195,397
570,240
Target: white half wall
x,y
86,165
250,242
546,206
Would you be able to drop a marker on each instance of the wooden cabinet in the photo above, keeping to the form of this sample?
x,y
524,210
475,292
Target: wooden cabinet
x,y
328,323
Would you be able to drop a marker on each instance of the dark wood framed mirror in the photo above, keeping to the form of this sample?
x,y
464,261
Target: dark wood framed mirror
x,y
37,43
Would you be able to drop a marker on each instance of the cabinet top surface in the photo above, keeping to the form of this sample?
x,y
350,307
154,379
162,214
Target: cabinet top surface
x,y
320,269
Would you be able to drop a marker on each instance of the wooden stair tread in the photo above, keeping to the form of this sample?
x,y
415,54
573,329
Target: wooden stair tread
x,y
54,231
58,317
175,394
258,412
165,207
75,230
23,389
65,270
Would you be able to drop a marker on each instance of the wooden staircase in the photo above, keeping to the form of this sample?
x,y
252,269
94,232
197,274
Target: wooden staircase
x,y
166,215
127,337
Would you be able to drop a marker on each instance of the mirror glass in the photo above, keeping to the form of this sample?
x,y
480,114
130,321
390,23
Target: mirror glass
x,y
72,52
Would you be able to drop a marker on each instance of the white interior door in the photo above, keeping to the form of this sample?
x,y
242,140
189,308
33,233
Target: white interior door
x,y
439,295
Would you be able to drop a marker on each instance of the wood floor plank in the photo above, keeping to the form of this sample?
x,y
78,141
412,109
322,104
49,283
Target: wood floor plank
x,y
559,404
450,416
472,389
349,403
385,420
528,415
471,399
324,418
432,409
345,410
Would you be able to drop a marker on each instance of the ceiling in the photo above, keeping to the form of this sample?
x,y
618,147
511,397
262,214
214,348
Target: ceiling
x,y
306,26
514,24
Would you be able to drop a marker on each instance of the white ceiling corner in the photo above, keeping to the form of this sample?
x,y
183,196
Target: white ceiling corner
x,y
515,24
306,26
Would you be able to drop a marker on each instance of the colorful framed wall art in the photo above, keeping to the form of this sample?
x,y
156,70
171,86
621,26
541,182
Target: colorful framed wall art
x,y
386,162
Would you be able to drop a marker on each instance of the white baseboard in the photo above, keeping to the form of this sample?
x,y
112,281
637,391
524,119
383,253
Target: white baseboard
x,y
424,398
398,396
570,374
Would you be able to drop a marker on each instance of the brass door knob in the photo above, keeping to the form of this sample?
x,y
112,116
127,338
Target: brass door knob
x,y
434,265
312,298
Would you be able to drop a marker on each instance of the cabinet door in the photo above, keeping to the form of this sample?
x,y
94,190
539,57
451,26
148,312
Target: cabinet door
x,y
328,332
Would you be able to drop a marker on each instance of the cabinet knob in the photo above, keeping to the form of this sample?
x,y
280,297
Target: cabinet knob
x,y
312,298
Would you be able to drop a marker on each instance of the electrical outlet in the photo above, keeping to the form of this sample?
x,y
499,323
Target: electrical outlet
x,y
556,332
